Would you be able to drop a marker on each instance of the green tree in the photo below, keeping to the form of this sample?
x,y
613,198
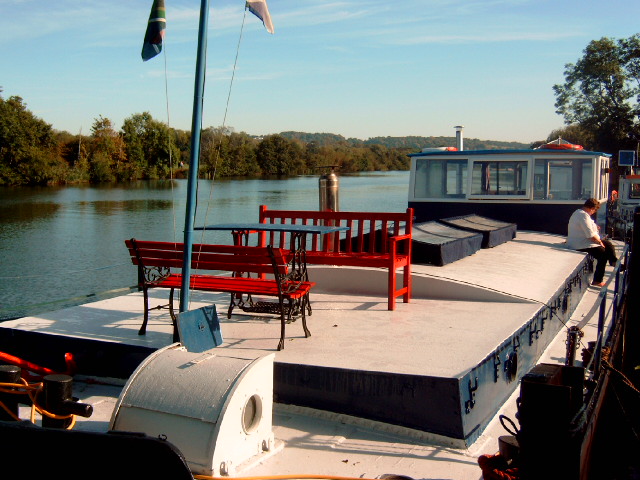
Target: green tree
x,y
278,156
210,151
150,146
73,149
107,159
600,94
28,152
240,158
182,141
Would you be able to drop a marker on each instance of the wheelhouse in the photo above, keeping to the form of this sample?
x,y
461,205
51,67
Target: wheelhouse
x,y
537,189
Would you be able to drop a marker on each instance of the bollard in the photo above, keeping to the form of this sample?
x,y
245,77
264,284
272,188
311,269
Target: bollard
x,y
574,334
329,189
58,400
9,374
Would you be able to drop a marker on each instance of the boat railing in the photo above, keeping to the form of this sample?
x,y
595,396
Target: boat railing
x,y
606,329
606,322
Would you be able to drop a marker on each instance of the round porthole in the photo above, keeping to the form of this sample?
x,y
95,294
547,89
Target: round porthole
x,y
251,413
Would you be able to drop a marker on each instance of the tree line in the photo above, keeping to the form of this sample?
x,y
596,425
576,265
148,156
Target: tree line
x,y
599,100
33,153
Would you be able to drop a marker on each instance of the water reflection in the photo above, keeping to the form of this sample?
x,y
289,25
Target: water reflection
x,y
26,212
104,207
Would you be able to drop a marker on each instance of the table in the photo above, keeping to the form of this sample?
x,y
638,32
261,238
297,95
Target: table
x,y
241,231
298,232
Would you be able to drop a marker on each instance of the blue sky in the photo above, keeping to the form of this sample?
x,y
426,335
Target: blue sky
x,y
360,69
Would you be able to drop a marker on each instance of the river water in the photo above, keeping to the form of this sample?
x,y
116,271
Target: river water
x,y
63,245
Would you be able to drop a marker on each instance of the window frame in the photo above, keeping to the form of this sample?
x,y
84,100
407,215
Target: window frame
x,y
507,159
595,183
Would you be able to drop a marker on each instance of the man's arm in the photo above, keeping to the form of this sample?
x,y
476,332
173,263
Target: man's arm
x,y
596,239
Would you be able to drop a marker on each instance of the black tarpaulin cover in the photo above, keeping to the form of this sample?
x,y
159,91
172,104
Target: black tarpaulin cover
x,y
436,244
494,232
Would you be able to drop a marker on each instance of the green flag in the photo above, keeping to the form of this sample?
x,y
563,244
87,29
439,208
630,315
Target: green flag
x,y
155,31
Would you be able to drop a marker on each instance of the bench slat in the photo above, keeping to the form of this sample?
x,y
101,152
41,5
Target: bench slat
x,y
239,285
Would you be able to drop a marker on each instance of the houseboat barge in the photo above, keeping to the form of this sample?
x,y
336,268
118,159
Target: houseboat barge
x,y
538,189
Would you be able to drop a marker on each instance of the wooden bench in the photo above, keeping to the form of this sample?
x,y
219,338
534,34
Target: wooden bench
x,y
157,261
374,239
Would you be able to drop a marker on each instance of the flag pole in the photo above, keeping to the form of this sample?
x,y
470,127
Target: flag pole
x,y
196,128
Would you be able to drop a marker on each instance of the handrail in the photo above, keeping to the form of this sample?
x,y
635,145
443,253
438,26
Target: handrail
x,y
619,292
619,277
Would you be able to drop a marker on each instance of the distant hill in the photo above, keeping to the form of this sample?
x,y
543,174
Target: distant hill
x,y
412,142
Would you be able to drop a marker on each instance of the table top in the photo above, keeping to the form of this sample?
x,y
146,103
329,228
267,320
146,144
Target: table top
x,y
276,227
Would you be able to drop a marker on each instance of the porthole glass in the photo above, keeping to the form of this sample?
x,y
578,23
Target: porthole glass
x,y
251,413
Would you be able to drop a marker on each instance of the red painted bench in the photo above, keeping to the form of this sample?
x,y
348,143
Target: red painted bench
x,y
388,248
157,260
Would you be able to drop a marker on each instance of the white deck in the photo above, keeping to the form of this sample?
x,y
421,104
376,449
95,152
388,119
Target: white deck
x,y
475,303
459,313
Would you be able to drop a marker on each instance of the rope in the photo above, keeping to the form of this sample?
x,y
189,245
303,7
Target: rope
x,y
496,467
533,300
513,430
224,123
9,412
283,477
32,390
582,323
166,96
631,423
625,381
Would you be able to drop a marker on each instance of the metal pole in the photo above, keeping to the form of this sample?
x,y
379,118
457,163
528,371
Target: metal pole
x,y
459,140
196,127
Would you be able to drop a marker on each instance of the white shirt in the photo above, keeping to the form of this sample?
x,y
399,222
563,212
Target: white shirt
x,y
581,229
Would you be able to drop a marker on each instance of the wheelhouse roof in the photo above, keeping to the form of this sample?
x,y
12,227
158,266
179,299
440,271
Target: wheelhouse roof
x,y
545,151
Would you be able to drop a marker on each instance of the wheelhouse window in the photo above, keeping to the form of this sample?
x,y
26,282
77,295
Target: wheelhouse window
x,y
499,178
570,179
440,178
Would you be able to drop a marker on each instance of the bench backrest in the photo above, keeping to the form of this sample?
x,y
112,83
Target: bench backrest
x,y
357,239
208,257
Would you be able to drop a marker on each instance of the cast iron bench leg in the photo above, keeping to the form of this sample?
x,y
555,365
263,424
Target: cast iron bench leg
x,y
143,327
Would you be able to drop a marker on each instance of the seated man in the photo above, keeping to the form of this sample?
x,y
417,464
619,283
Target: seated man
x,y
583,236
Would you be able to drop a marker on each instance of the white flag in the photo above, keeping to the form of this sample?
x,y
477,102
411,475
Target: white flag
x,y
259,9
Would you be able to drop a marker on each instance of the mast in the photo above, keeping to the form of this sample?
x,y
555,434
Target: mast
x,y
196,128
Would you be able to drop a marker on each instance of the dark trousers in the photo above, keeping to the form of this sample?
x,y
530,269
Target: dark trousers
x,y
602,255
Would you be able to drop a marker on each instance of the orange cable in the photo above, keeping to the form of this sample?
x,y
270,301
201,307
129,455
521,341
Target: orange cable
x,y
6,409
281,477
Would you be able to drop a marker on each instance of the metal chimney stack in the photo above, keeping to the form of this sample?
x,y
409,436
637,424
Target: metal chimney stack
x,y
329,187
459,139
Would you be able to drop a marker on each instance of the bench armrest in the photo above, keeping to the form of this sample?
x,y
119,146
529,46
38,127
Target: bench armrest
x,y
397,238
394,240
